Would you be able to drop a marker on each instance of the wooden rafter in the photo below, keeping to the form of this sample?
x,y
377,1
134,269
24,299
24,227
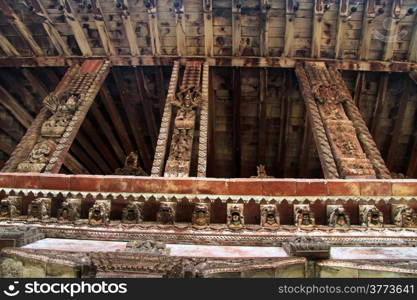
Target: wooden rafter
x,y
289,27
159,75
72,20
21,28
50,29
265,24
102,28
147,106
317,28
341,27
208,27
262,136
392,30
306,149
133,119
367,29
379,106
236,27
7,47
108,132
153,26
283,100
412,48
180,27
236,153
116,119
37,84
130,30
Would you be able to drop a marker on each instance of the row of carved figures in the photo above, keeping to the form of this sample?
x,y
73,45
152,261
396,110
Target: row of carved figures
x,y
99,213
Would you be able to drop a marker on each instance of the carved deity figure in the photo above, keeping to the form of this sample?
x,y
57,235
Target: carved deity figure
x,y
166,213
261,170
131,166
304,217
201,215
38,157
99,214
10,208
269,216
370,216
235,217
404,216
70,210
62,109
132,213
39,209
147,247
339,218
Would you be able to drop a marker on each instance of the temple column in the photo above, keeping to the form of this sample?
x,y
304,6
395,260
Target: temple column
x,y
182,144
344,144
49,138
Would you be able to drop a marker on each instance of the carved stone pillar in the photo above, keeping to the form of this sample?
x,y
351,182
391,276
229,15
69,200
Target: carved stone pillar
x,y
49,138
340,151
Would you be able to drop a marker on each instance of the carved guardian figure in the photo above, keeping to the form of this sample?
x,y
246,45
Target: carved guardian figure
x,y
132,213
39,209
10,208
304,217
404,216
201,215
235,218
166,213
99,214
70,210
339,218
131,166
269,216
38,157
370,216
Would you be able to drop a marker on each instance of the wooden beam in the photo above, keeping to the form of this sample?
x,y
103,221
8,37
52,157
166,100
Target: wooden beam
x,y
342,20
133,119
153,26
236,155
360,82
25,119
236,27
37,84
379,106
289,28
102,28
219,61
306,149
413,75
180,27
283,97
130,30
262,130
265,24
116,119
147,106
392,30
204,124
108,132
208,27
318,13
7,47
367,29
159,75
211,128
412,48
50,28
80,37
81,154
21,28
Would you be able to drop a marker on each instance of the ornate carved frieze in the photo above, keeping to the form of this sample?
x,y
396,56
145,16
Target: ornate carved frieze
x,y
70,210
132,213
303,216
340,135
310,247
269,216
99,214
50,136
166,213
370,216
10,208
131,166
147,247
337,216
201,215
404,216
39,209
235,217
